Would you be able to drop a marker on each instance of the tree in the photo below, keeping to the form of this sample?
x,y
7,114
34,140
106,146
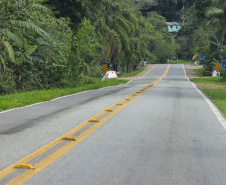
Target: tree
x,y
143,4
158,21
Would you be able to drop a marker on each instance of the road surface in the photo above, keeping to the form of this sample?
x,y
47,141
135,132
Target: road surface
x,y
163,134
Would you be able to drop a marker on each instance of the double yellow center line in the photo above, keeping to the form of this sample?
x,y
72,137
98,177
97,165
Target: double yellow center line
x,y
86,128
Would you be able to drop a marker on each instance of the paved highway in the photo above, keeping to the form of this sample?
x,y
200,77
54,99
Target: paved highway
x,y
164,134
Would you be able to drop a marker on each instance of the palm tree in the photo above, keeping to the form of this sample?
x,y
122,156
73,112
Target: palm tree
x,y
217,14
18,33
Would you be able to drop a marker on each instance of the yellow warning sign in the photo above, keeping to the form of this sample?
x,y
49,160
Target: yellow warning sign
x,y
195,57
218,67
104,68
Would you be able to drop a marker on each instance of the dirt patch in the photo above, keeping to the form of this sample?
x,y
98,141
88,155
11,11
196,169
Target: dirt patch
x,y
190,70
149,67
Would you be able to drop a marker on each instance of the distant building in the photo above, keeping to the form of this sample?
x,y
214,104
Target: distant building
x,y
174,27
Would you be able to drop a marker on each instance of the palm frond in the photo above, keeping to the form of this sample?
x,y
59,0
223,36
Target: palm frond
x,y
217,41
9,50
2,63
123,24
38,1
18,39
214,12
31,39
42,8
26,54
31,50
33,27
212,22
132,27
123,37
45,55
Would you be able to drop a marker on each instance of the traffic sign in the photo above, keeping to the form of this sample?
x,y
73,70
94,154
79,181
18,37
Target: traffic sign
x,y
218,67
202,57
223,63
104,68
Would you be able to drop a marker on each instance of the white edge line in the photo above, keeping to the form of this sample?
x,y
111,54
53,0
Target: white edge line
x,y
143,75
66,96
216,111
54,99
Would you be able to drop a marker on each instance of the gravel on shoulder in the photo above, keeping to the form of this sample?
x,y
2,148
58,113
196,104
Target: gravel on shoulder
x,y
190,70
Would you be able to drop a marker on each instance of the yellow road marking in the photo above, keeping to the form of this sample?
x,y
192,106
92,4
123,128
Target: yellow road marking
x,y
48,160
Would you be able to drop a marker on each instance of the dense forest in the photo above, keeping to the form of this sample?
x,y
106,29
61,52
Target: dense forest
x,y
204,32
61,43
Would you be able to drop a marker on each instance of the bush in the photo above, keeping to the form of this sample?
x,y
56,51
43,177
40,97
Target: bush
x,y
85,80
224,75
94,69
7,84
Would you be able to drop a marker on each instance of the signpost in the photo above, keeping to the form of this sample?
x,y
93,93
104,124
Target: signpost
x,y
218,68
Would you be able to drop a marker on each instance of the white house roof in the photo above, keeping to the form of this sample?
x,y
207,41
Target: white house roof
x,y
174,23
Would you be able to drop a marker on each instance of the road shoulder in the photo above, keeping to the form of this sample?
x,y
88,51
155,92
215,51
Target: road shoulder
x,y
190,70
148,68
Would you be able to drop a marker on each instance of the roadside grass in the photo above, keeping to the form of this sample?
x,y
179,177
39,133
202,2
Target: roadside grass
x,y
180,62
210,81
199,72
20,99
218,97
192,64
214,88
134,73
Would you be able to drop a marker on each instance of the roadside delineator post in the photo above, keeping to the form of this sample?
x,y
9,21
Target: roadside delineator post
x,y
218,69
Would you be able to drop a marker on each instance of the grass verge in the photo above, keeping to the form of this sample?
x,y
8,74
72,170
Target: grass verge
x,y
179,62
134,73
210,82
199,72
215,88
26,98
218,97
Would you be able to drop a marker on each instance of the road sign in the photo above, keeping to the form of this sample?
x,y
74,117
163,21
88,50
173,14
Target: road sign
x,y
104,68
223,63
197,58
218,67
202,57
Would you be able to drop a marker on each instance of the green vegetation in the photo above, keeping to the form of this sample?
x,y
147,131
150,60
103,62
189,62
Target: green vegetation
x,y
180,62
134,73
210,81
55,44
215,88
204,33
26,98
218,97
199,72
59,44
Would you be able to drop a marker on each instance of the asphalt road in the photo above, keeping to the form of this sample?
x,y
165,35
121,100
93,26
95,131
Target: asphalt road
x,y
168,135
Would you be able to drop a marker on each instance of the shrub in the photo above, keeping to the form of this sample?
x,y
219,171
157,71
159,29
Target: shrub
x,y
7,84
